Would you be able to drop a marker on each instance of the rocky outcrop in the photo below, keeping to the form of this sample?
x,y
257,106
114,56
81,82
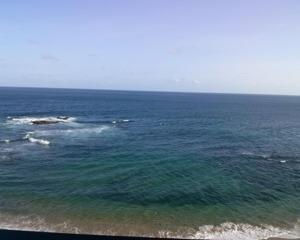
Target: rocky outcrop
x,y
49,121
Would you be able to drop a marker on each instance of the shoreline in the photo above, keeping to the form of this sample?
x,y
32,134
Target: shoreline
x,y
225,231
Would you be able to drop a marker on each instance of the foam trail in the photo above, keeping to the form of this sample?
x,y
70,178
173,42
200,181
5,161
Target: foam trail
x,y
121,121
72,132
252,154
7,141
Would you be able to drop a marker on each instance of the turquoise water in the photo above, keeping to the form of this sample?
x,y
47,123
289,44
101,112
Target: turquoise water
x,y
150,164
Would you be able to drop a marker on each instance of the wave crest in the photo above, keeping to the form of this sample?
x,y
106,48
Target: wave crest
x,y
36,140
33,120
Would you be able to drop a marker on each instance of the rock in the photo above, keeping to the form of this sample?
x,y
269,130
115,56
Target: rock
x,y
40,122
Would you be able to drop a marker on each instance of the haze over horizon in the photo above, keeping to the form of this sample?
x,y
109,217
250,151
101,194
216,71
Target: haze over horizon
x,y
198,46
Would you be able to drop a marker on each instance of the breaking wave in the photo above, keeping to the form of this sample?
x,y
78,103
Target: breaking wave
x,y
36,140
39,120
232,231
225,231
40,141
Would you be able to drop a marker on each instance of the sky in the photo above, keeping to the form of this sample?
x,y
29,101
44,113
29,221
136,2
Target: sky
x,y
155,45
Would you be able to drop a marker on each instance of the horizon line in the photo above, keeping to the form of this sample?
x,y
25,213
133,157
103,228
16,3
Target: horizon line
x,y
154,91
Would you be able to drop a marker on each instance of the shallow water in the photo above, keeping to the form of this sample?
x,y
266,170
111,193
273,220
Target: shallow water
x,y
153,164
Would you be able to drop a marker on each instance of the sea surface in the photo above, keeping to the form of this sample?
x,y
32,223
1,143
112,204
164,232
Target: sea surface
x,y
215,166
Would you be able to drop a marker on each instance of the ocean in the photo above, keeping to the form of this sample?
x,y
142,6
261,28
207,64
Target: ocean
x,y
191,165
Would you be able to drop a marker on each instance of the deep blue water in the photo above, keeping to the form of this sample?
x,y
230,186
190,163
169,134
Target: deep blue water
x,y
150,163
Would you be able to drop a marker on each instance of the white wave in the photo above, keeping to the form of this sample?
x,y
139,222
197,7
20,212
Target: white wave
x,y
232,231
91,130
120,121
35,140
283,161
7,141
246,153
28,135
264,156
31,120
40,141
72,131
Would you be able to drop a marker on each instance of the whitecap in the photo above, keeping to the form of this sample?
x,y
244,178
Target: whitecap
x,y
32,120
121,121
28,134
252,154
35,140
246,153
39,141
283,161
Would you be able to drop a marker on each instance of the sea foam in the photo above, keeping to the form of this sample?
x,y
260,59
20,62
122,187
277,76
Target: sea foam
x,y
225,231
72,132
232,231
31,120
